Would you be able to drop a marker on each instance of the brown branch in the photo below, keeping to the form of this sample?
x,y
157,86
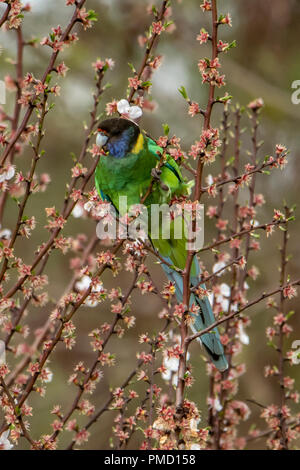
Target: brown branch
x,y
234,314
29,179
105,407
241,233
282,309
18,414
110,333
149,48
211,99
48,70
238,179
17,109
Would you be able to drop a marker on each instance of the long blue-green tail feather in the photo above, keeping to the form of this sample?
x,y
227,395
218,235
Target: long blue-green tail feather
x,y
205,318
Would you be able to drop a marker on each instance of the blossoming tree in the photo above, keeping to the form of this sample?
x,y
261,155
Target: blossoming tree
x,y
151,405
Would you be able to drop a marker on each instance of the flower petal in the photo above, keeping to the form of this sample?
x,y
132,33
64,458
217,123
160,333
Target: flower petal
x,y
135,112
123,107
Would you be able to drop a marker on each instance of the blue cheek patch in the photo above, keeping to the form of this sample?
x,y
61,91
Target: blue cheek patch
x,y
119,148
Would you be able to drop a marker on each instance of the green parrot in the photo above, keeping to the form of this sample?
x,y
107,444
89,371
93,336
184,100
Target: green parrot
x,y
127,169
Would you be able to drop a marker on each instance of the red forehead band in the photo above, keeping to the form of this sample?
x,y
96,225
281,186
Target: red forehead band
x,y
102,131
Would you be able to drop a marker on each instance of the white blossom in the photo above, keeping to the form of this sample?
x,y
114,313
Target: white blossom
x,y
217,404
194,424
171,364
8,174
224,303
132,112
4,442
209,179
225,289
77,211
88,205
49,376
218,266
2,352
83,284
5,233
243,337
175,380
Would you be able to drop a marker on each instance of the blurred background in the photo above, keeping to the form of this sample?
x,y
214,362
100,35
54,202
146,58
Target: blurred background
x,y
265,64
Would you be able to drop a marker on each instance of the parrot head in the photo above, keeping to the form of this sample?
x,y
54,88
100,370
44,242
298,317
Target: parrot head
x,y
118,136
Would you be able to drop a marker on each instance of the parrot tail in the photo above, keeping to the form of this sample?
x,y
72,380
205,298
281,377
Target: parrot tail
x,y
211,341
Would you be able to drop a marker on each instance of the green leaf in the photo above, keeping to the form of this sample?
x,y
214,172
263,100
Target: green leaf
x,y
183,92
166,129
92,15
290,314
224,99
230,161
230,46
146,84
132,67
168,23
107,86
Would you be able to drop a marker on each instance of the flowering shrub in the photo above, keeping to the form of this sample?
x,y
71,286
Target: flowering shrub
x,y
152,402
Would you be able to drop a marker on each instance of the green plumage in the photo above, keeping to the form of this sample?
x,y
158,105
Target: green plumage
x,y
131,176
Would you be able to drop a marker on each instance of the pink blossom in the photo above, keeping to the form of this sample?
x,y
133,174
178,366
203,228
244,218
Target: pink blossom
x,y
157,28
290,292
62,69
206,5
256,104
212,211
134,82
279,319
194,109
203,36
111,107
40,87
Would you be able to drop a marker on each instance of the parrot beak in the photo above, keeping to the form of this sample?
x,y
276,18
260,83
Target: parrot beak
x,y
101,139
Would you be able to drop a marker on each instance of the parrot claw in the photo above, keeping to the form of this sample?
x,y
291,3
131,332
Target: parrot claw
x,y
155,173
